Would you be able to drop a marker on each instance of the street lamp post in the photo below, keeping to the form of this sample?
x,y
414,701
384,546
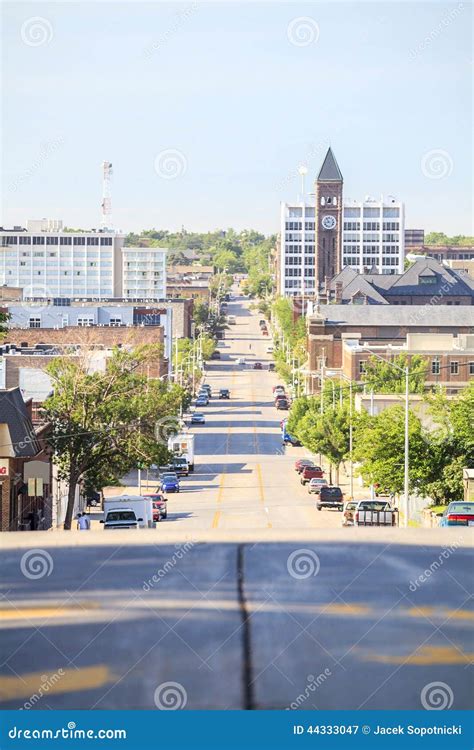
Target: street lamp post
x,y
406,372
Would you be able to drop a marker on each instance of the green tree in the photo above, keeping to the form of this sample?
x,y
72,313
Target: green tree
x,y
4,318
379,445
439,238
104,423
327,433
451,444
388,377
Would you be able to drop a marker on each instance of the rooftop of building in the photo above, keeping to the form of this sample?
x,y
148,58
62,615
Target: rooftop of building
x,y
451,316
425,277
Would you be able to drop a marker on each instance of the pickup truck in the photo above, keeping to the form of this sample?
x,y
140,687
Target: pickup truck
x,y
370,513
330,497
310,472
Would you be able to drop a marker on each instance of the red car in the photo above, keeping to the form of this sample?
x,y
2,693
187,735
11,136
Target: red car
x,y
310,472
301,463
264,331
160,509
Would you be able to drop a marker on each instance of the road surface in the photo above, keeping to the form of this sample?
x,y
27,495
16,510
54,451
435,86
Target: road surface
x,y
246,598
244,478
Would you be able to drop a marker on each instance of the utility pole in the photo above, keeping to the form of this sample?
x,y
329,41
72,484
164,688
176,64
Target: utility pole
x,y
372,488
406,462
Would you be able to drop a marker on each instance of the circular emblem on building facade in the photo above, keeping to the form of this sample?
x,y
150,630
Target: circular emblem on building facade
x,y
328,222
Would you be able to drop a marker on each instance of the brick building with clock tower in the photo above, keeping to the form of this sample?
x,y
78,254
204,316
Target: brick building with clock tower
x,y
328,220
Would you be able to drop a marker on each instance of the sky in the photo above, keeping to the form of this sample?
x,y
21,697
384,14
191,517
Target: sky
x,y
206,110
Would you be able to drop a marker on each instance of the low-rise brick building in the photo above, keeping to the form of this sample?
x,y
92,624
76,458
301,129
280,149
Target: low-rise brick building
x,y
330,325
25,467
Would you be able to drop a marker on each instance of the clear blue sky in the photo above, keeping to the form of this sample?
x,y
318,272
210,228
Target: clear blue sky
x,y
385,83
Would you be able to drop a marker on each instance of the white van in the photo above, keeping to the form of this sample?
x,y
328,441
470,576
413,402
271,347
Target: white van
x,y
142,507
231,320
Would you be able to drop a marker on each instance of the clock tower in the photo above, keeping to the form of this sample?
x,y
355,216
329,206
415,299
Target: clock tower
x,y
328,190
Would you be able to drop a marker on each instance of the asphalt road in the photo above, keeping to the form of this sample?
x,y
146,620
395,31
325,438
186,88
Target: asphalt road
x,y
330,625
247,597
244,478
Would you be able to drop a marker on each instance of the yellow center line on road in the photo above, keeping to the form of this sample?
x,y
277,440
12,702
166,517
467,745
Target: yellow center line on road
x,y
25,613
258,468
220,492
427,655
58,681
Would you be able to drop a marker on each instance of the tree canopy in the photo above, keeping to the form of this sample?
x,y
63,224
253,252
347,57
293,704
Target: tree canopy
x,y
103,424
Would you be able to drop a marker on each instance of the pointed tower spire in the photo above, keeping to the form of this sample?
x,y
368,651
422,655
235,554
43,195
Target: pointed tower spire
x,y
329,171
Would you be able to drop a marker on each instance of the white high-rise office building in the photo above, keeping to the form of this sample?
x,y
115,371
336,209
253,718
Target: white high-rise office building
x,y
46,261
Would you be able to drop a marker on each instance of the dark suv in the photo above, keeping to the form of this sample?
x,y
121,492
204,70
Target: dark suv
x,y
330,497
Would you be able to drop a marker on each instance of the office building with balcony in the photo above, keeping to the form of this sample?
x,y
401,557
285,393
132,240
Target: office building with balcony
x,y
144,272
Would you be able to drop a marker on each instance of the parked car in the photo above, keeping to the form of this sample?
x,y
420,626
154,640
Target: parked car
x,y
301,463
330,497
279,396
231,320
458,514
271,366
257,366
160,509
278,389
310,472
202,401
264,331
282,404
121,518
224,393
269,349
375,513
206,387
240,361
262,323
315,484
169,483
198,418
288,439
216,354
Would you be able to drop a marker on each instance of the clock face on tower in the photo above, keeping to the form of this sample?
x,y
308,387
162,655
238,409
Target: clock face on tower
x,y
328,222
